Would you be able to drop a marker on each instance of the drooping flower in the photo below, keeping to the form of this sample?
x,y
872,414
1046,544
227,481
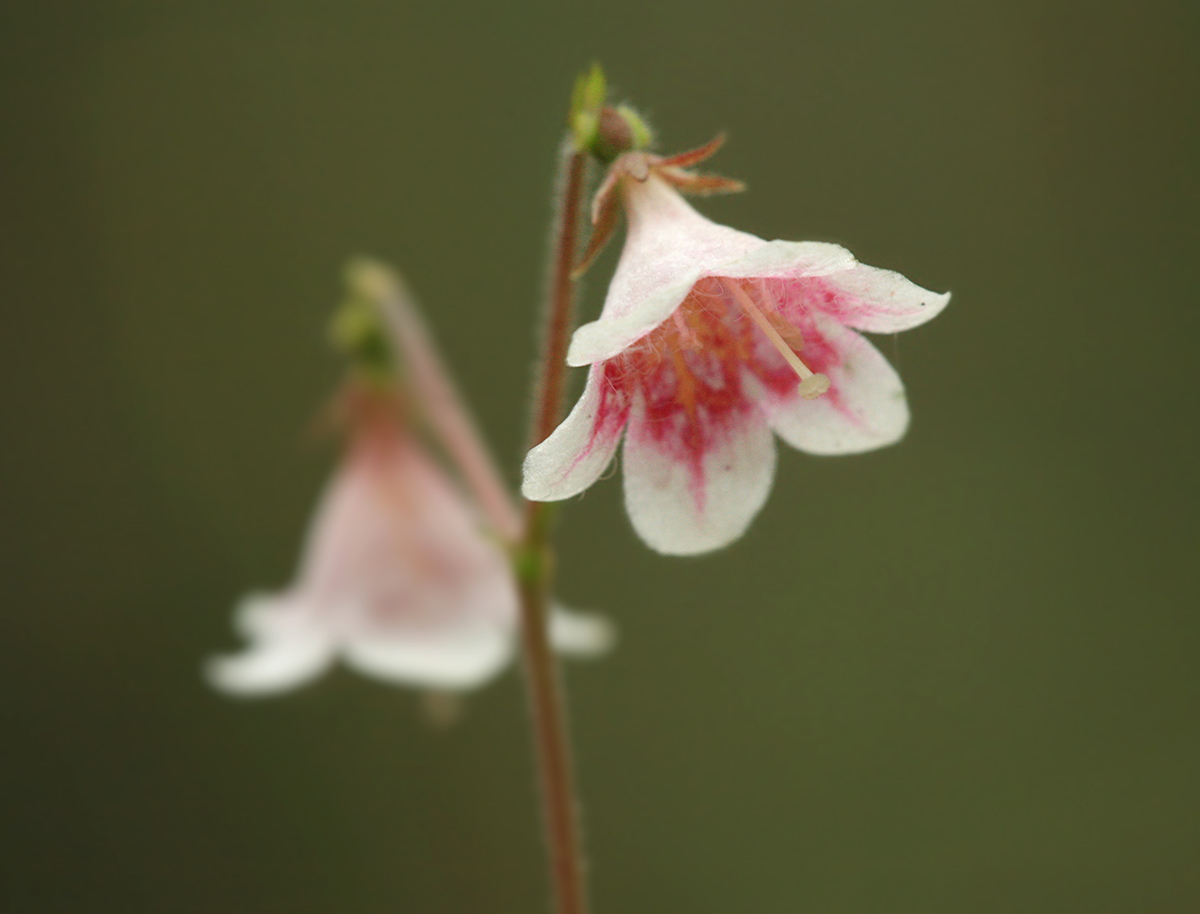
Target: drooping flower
x,y
397,579
710,340
403,576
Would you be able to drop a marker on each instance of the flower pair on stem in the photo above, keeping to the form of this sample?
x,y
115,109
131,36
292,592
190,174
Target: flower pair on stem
x,y
711,341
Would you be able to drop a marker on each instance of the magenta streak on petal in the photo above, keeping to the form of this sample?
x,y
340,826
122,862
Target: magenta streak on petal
x,y
799,301
611,414
816,293
698,372
690,375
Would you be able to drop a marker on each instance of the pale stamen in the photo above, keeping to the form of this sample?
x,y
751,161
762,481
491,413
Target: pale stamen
x,y
812,383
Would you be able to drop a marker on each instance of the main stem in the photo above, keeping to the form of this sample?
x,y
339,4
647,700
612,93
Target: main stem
x,y
535,564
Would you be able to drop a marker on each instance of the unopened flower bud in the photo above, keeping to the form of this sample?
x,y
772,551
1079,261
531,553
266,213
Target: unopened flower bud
x,y
619,130
355,332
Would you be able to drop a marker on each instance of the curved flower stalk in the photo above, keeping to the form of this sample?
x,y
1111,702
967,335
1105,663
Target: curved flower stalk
x,y
399,578
710,340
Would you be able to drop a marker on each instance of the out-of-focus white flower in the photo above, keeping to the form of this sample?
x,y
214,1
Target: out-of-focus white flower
x,y
398,580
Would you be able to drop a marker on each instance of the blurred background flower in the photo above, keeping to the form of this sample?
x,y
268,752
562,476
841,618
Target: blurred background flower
x,y
399,577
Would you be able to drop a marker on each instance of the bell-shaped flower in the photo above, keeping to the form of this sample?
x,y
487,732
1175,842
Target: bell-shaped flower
x,y
710,341
399,579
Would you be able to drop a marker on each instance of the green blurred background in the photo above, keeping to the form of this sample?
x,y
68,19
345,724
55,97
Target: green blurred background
x,y
958,675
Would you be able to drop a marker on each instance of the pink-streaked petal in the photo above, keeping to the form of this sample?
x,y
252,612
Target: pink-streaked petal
x,y
448,659
681,505
580,634
395,548
790,260
287,614
864,408
668,247
283,653
580,449
874,300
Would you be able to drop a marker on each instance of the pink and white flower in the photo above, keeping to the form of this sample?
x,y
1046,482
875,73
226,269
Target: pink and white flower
x,y
397,579
710,341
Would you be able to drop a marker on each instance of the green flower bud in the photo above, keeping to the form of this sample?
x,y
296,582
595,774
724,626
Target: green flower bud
x,y
620,130
355,331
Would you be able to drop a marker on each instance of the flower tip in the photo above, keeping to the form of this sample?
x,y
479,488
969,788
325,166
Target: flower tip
x,y
813,386
266,670
590,89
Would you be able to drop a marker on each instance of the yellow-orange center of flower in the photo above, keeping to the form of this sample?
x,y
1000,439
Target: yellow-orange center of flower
x,y
705,339
700,373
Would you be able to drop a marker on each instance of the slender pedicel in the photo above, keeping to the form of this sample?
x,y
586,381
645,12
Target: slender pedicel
x,y
812,383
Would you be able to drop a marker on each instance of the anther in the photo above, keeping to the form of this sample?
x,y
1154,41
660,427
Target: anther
x,y
812,383
813,386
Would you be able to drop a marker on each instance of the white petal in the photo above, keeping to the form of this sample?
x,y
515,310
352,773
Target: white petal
x,y
281,655
667,248
604,338
580,449
461,659
268,616
865,407
877,301
677,513
580,634
789,260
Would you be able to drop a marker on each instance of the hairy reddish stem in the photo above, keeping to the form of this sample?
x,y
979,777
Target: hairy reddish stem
x,y
560,307
535,562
